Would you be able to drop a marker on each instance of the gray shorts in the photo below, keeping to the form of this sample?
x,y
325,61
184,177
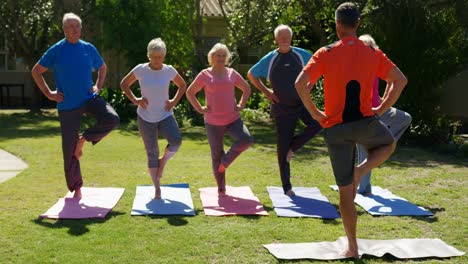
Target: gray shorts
x,y
341,141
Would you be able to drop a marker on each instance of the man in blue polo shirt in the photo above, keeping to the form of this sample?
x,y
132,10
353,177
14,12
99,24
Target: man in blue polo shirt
x,y
281,68
73,61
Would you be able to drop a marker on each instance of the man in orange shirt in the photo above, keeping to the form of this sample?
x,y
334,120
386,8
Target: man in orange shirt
x,y
349,68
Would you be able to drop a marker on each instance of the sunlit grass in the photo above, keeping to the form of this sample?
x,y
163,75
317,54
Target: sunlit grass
x,y
431,180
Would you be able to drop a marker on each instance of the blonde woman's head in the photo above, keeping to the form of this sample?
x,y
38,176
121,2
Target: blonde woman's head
x,y
218,52
368,40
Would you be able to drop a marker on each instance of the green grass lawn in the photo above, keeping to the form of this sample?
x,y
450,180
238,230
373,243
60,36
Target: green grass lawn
x,y
434,181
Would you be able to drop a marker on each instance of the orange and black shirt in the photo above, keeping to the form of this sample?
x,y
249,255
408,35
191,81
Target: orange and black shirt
x,y
349,68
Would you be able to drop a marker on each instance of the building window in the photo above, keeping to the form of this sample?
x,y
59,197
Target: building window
x,y
209,42
3,52
252,56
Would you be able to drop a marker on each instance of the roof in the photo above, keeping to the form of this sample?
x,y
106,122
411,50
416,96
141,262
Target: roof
x,y
212,8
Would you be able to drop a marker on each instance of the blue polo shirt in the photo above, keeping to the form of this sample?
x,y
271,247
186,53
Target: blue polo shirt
x,y
72,64
281,70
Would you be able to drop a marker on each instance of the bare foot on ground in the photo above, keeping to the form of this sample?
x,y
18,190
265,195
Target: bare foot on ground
x,y
290,193
157,191
77,193
350,254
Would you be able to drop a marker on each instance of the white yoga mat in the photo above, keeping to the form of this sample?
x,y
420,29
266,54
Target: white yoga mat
x,y
96,203
308,202
384,202
399,248
176,199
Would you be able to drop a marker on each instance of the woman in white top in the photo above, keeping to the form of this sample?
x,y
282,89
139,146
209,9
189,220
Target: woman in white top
x,y
155,108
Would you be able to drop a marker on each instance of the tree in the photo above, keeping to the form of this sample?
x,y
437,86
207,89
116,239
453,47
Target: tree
x,y
426,39
249,22
428,42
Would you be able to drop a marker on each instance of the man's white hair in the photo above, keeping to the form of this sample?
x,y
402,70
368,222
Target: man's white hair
x,y
156,45
282,27
70,16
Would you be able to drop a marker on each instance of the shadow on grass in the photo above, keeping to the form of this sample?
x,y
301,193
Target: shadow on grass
x,y
387,258
328,221
25,124
430,219
176,220
76,227
28,125
173,220
407,157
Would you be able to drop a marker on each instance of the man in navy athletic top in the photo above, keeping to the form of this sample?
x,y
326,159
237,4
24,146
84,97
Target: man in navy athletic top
x,y
281,68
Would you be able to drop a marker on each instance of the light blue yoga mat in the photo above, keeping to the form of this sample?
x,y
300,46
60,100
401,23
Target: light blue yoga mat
x,y
384,202
308,202
176,199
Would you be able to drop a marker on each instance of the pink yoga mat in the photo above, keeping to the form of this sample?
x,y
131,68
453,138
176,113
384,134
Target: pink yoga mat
x,y
238,201
96,203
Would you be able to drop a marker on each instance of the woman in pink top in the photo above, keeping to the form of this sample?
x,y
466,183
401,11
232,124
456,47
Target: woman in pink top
x,y
221,111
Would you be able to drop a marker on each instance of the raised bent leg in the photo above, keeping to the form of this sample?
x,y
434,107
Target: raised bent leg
x,y
106,119
242,141
169,130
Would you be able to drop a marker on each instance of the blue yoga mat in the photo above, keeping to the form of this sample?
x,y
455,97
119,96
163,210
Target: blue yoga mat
x,y
308,202
384,202
176,199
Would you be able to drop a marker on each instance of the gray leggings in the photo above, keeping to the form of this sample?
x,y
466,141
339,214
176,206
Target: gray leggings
x,y
242,141
149,132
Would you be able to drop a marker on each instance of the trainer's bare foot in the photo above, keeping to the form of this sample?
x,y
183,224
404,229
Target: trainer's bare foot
x,y
79,147
221,168
290,193
289,155
77,193
222,193
348,253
